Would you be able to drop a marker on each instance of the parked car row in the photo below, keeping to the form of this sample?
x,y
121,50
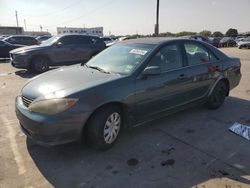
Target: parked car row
x,y
71,49
58,50
241,42
15,41
125,85
38,54
227,42
22,40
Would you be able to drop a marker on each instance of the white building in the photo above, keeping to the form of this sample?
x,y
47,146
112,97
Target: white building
x,y
97,31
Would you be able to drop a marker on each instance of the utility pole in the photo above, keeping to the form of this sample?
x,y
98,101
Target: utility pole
x,y
41,27
25,25
157,19
17,20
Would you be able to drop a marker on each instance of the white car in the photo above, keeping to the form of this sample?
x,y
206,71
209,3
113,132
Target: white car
x,y
244,43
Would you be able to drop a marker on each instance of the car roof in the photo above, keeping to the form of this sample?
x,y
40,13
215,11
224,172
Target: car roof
x,y
155,40
19,36
148,40
163,40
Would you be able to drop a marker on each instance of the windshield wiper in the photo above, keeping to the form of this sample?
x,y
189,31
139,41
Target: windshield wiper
x,y
97,68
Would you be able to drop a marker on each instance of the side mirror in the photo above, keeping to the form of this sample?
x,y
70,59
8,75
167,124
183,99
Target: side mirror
x,y
58,44
151,71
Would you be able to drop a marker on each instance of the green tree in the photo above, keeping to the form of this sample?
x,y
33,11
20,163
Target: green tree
x,y
206,33
218,34
167,34
185,33
231,32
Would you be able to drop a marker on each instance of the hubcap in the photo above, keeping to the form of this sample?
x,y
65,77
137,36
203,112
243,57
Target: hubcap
x,y
112,127
41,65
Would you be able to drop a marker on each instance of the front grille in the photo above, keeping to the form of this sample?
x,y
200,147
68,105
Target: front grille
x,y
27,101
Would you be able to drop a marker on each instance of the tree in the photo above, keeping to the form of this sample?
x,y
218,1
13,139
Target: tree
x,y
185,33
167,34
206,33
231,32
218,34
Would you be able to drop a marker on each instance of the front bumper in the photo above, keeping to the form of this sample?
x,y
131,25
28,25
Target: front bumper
x,y
19,61
50,130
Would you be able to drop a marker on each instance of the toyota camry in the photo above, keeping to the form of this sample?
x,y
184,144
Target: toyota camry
x,y
130,83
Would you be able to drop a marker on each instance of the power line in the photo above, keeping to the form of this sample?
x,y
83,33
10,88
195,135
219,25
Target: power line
x,y
76,18
55,12
86,14
92,11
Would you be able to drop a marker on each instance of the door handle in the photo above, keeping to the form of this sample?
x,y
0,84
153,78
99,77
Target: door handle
x,y
182,76
217,68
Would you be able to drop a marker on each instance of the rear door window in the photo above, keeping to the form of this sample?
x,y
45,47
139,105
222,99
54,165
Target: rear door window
x,y
84,40
20,40
29,40
69,40
197,54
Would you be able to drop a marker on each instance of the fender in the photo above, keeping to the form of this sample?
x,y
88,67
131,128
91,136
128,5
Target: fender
x,y
40,55
221,77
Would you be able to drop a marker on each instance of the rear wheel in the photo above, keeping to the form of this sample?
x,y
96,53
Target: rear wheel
x,y
40,64
104,127
218,96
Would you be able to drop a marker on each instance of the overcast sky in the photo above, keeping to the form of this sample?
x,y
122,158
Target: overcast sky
x,y
122,17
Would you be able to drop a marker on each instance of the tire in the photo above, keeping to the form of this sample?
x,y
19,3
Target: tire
x,y
104,127
218,96
40,64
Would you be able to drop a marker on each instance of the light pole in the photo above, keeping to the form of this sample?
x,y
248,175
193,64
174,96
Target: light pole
x,y
16,19
25,26
157,19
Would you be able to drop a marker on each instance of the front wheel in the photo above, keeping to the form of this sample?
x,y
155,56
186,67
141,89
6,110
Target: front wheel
x,y
40,64
218,96
104,127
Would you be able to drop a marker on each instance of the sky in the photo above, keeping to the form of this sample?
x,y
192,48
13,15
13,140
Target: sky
x,y
121,17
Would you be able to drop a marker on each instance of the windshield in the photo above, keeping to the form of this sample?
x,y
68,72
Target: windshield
x,y
50,41
120,58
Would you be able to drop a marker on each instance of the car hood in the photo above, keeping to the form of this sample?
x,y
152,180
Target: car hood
x,y
62,79
27,48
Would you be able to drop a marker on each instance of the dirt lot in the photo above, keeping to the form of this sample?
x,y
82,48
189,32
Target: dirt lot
x,y
192,148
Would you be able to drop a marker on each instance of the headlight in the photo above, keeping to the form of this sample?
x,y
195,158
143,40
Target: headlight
x,y
22,52
52,106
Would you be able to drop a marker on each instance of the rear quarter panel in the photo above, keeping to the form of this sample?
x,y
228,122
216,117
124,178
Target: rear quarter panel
x,y
232,72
